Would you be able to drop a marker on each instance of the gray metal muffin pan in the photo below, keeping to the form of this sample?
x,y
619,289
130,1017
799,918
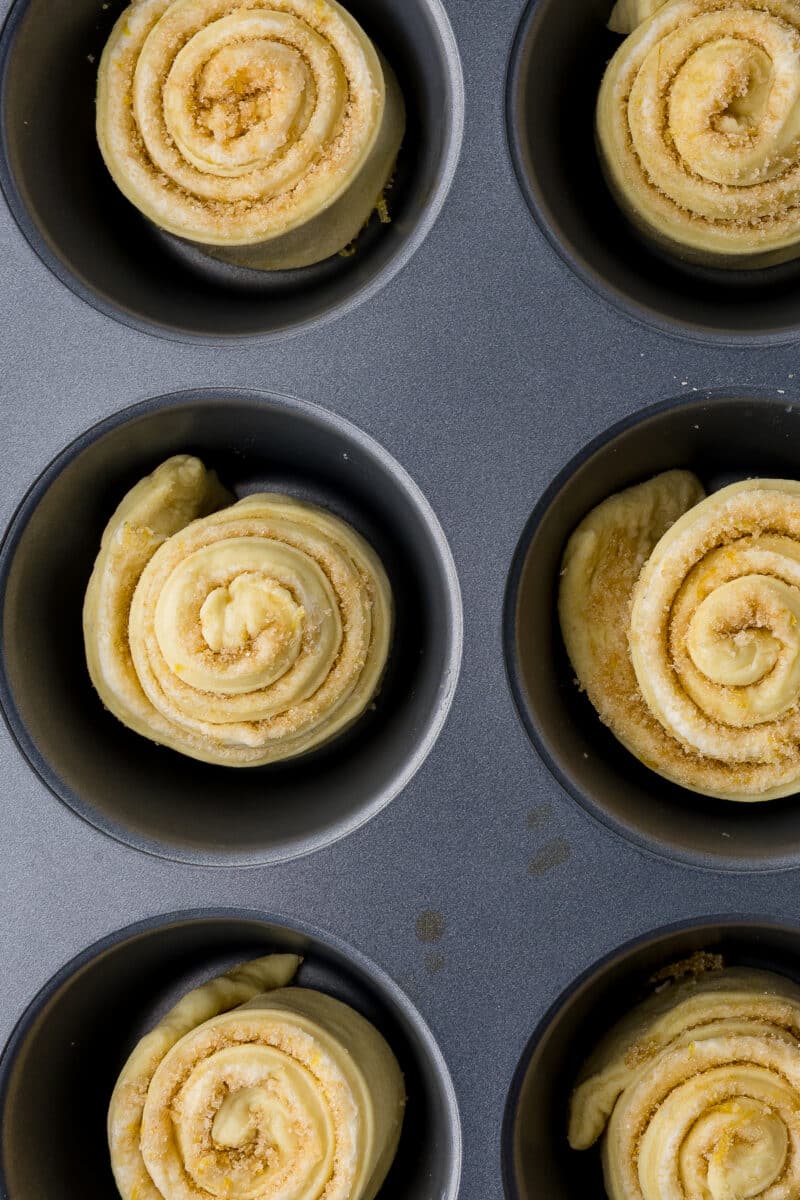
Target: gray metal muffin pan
x,y
484,890
80,225
165,803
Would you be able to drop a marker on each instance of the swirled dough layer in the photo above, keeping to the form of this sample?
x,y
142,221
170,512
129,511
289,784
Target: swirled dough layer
x,y
264,130
253,1090
698,123
681,618
696,1093
238,634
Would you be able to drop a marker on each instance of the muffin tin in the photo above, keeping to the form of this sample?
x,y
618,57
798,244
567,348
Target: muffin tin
x,y
163,802
557,62
69,210
119,988
485,384
721,439
535,1160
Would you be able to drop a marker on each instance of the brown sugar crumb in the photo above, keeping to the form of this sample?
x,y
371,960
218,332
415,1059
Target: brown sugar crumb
x,y
697,964
640,1053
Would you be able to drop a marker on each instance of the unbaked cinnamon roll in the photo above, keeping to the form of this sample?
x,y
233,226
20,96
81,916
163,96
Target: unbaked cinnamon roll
x,y
698,124
236,633
265,130
696,1093
250,1089
681,619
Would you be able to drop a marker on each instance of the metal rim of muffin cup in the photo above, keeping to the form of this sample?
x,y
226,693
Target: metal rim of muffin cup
x,y
556,62
98,245
754,435
155,799
46,1061
535,1157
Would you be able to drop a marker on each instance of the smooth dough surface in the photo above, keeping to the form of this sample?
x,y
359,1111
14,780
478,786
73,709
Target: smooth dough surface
x,y
698,127
696,1093
236,633
264,130
251,1089
627,15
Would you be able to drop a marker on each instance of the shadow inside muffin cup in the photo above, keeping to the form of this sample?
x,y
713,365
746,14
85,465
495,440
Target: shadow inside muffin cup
x,y
60,1066
721,439
100,246
537,1160
156,799
557,63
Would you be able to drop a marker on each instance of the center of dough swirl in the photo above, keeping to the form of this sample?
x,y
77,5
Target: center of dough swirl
x,y
745,636
229,619
720,101
242,92
744,1143
246,102
250,606
249,1120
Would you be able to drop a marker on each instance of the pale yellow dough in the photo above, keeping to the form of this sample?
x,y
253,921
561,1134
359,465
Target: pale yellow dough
x,y
698,125
627,15
696,1093
236,633
681,616
264,130
250,1089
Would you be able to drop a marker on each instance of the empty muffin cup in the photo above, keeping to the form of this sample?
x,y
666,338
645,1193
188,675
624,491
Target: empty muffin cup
x,y
558,60
157,799
721,440
59,1069
536,1157
84,229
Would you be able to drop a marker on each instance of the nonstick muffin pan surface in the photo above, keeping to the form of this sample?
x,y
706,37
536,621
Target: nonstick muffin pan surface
x,y
79,224
484,890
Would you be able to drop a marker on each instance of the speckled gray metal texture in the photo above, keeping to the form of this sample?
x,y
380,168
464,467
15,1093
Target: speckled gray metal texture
x,y
483,889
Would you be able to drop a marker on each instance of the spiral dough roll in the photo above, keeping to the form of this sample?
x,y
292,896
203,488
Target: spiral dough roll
x,y
264,130
682,619
238,634
252,1090
698,124
696,1093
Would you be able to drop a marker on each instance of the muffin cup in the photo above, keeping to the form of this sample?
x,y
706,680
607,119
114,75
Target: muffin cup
x,y
557,62
100,246
536,1159
60,1065
156,799
721,439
